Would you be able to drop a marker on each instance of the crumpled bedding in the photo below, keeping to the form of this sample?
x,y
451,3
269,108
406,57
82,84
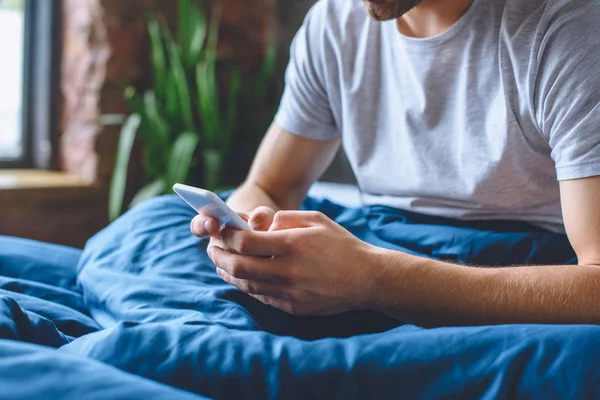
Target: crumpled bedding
x,y
141,313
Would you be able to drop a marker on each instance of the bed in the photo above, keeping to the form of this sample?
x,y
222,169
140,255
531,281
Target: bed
x,y
140,313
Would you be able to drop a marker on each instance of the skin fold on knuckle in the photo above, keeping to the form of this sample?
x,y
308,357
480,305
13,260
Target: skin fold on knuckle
x,y
280,217
251,287
216,258
288,242
223,259
242,244
317,216
224,275
230,239
237,269
264,299
288,275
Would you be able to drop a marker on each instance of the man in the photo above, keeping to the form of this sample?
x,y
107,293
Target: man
x,y
472,110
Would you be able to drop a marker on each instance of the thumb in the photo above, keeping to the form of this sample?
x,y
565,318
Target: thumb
x,y
296,219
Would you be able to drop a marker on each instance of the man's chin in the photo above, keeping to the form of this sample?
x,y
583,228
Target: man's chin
x,y
385,11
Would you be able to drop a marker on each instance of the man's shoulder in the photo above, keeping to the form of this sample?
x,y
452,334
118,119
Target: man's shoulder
x,y
340,9
338,18
544,16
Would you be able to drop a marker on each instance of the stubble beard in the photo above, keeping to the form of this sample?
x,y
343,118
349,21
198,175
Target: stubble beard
x,y
389,11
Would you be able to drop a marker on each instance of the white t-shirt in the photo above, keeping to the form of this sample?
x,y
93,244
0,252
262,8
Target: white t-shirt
x,y
478,122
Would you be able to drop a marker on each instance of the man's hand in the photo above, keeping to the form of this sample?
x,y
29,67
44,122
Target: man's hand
x,y
205,226
305,265
260,219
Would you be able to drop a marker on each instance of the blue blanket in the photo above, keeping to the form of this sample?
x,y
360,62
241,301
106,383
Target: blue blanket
x,y
141,313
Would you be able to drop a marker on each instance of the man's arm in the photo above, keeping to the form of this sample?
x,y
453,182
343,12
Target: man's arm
x,y
322,269
430,293
287,164
283,170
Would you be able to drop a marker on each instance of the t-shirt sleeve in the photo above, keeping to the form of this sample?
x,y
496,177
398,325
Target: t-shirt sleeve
x,y
305,108
567,92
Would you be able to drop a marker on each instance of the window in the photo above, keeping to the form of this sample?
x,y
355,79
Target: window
x,y
11,79
28,80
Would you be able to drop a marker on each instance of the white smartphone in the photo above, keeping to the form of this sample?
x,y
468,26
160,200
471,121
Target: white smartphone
x,y
207,203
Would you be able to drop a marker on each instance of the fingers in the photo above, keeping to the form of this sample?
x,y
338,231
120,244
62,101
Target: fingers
x,y
297,219
281,303
245,267
261,218
257,244
252,287
203,226
215,241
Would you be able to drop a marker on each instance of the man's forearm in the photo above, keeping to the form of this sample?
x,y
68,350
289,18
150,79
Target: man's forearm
x,y
432,293
250,195
284,168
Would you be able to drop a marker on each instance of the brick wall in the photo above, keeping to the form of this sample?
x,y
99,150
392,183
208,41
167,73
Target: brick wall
x,y
106,47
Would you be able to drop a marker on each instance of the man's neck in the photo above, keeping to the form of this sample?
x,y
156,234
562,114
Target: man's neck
x,y
432,17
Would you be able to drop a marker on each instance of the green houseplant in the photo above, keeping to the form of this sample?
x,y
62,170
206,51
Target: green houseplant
x,y
184,122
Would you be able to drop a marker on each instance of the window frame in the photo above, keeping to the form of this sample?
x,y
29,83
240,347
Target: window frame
x,y
40,89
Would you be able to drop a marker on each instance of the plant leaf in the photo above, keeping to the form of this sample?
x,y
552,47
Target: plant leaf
x,y
207,105
213,34
151,190
197,35
211,57
155,134
180,79
181,158
213,164
160,129
151,158
159,61
230,117
172,102
119,178
256,124
183,23
207,85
